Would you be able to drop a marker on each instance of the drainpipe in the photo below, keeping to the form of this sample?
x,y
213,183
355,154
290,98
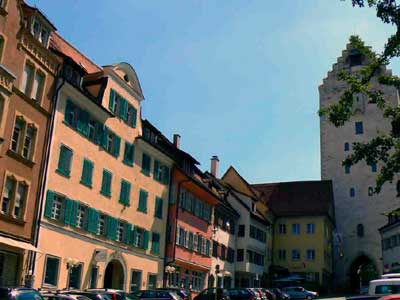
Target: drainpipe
x,y
42,185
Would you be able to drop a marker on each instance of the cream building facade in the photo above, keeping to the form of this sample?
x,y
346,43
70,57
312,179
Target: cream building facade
x,y
104,215
358,211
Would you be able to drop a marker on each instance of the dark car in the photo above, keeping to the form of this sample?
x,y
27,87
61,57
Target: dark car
x,y
241,294
91,295
112,294
364,297
155,295
298,292
184,294
280,295
57,296
213,294
19,293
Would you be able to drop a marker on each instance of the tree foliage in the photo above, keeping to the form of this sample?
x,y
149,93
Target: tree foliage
x,y
385,147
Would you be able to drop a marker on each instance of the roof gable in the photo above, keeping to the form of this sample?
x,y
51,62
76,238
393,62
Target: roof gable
x,y
233,178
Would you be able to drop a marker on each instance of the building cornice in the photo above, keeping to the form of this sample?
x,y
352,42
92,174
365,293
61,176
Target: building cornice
x,y
7,79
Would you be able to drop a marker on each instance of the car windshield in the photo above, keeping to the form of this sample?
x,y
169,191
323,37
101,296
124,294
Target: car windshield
x,y
387,289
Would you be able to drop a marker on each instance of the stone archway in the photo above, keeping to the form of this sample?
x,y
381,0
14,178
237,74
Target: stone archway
x,y
361,271
114,275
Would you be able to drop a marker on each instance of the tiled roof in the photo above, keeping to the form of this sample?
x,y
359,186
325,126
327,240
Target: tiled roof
x,y
298,198
61,45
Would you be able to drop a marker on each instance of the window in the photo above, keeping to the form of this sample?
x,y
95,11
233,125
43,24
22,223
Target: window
x,y
87,173
360,230
143,195
146,164
161,172
75,275
310,254
374,167
240,255
8,195
253,231
355,58
282,254
51,271
311,228
132,116
14,197
296,229
155,243
65,161
106,183
295,254
241,231
40,32
152,282
17,135
121,232
20,200
37,88
1,37
94,274
197,281
140,237
352,192
359,127
125,194
136,280
347,169
81,220
57,207
398,188
282,228
129,154
346,146
28,142
370,191
27,79
255,258
158,213
101,229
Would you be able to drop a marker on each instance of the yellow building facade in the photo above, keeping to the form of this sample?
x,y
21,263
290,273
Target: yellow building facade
x,y
105,200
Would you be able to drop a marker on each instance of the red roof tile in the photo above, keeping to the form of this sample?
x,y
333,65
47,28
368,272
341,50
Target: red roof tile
x,y
61,45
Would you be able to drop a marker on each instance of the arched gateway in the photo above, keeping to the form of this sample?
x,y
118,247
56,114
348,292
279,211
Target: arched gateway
x,y
114,276
362,270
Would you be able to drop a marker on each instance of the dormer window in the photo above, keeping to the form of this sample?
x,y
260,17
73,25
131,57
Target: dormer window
x,y
126,78
355,58
40,32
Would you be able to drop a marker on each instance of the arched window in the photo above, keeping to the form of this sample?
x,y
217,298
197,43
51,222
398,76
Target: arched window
x,y
360,230
346,146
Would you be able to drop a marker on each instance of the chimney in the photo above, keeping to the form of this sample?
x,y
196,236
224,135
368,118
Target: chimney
x,y
214,166
177,140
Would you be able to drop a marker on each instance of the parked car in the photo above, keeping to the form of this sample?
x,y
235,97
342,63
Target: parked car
x,y
256,293
184,294
112,293
364,297
213,294
241,294
19,293
280,295
298,292
262,294
270,294
384,286
156,295
91,295
58,296
390,297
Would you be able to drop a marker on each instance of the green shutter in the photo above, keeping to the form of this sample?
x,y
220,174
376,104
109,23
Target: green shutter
x,y
135,235
146,163
93,218
143,201
74,213
145,240
99,133
166,173
117,145
128,230
87,172
159,208
106,183
129,154
125,193
155,243
112,100
123,109
49,204
64,161
69,107
68,209
83,122
156,174
134,116
112,228
104,141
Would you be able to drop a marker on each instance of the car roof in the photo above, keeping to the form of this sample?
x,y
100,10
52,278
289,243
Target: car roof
x,y
383,280
390,297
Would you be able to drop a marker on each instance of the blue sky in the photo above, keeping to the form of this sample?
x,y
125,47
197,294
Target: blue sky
x,y
238,79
